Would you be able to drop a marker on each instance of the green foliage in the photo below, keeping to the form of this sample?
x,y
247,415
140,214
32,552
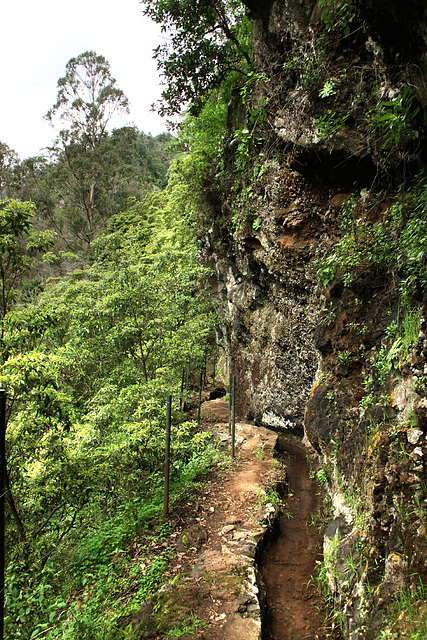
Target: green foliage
x,y
401,337
87,99
406,616
328,314
204,135
91,172
89,365
402,334
20,243
321,476
191,626
258,453
9,170
308,67
253,79
330,124
125,163
194,173
207,40
104,571
344,357
395,120
90,356
271,496
95,182
245,140
328,89
324,570
330,397
396,244
337,14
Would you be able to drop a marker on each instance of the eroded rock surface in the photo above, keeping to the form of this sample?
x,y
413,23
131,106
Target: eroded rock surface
x,y
309,356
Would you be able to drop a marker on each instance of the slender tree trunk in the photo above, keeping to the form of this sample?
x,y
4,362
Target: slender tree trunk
x,y
227,31
90,211
11,502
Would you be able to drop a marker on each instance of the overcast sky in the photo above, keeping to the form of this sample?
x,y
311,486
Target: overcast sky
x,y
37,39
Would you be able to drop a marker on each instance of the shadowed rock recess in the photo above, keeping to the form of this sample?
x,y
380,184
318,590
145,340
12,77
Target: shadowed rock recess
x,y
335,362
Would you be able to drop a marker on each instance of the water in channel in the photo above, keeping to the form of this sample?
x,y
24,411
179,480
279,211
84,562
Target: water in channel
x,y
288,560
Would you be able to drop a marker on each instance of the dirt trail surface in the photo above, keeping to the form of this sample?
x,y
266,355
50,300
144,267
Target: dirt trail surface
x,y
289,560
216,578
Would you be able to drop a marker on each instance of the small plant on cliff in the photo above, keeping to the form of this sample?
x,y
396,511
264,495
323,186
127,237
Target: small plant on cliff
x,y
321,476
337,14
330,397
404,336
327,571
330,124
246,139
325,378
258,453
344,358
252,80
272,502
394,120
327,315
328,89
308,66
401,336
191,626
407,615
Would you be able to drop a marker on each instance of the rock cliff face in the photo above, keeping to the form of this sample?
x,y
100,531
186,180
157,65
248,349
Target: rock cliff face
x,y
318,145
337,109
266,280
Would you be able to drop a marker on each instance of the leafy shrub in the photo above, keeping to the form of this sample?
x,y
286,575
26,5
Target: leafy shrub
x,y
394,120
337,14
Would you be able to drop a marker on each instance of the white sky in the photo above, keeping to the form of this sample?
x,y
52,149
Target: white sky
x,y
37,39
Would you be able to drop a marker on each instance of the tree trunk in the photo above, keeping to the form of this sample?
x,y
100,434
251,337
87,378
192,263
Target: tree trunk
x,y
11,502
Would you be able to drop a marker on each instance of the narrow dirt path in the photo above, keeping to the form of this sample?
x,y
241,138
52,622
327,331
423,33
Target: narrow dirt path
x,y
213,590
213,578
289,560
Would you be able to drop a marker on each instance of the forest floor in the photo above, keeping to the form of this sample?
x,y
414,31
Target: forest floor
x,y
213,591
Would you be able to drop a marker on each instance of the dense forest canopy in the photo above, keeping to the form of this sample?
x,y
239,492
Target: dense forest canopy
x,y
101,309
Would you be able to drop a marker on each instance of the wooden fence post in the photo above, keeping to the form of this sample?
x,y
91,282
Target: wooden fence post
x,y
199,406
233,416
2,503
167,455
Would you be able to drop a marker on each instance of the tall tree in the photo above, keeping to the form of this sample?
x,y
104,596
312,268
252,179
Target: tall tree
x,y
9,163
87,101
126,163
206,40
19,244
